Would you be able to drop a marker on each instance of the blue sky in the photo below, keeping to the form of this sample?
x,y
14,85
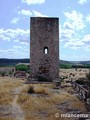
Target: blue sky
x,y
74,26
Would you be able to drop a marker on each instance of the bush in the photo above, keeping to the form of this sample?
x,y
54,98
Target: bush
x,y
65,66
10,73
81,82
3,73
31,90
21,68
28,71
39,90
42,78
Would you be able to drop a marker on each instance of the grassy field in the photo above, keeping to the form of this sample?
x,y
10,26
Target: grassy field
x,y
79,73
44,102
7,85
38,101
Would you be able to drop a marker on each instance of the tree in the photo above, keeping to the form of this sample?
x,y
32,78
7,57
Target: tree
x,y
21,67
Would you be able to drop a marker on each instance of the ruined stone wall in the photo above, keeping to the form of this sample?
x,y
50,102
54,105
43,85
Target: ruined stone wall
x,y
44,47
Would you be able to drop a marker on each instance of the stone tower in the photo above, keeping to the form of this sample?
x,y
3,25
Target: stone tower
x,y
44,48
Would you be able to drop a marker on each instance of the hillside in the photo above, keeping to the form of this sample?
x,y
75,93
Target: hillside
x,y
65,62
74,64
12,62
85,62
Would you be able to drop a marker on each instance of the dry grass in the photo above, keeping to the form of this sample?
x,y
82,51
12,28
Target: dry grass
x,y
77,74
39,89
42,104
6,86
75,104
6,118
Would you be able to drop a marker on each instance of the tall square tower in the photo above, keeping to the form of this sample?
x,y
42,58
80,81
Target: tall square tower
x,y
44,48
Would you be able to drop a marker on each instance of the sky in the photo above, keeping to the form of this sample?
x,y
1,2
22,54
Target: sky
x,y
74,27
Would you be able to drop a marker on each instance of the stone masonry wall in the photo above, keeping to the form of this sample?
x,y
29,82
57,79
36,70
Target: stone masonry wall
x,y
44,34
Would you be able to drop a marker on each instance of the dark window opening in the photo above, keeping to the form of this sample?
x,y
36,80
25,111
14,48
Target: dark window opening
x,y
45,50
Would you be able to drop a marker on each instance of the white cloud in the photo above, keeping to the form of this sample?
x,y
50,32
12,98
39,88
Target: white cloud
x,y
5,38
67,33
29,2
75,20
17,47
14,20
75,44
3,53
19,42
9,52
82,2
75,57
24,43
68,25
38,14
14,35
88,18
71,32
87,48
25,12
86,38
14,53
30,13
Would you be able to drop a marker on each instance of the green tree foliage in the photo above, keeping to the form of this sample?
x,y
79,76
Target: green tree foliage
x,y
22,67
81,66
65,66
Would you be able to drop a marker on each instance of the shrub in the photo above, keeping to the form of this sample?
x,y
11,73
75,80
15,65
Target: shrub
x,y
28,71
81,82
10,73
21,67
42,78
38,90
65,66
31,90
3,73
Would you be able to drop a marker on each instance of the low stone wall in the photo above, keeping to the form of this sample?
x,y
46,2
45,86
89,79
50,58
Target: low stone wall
x,y
20,74
83,93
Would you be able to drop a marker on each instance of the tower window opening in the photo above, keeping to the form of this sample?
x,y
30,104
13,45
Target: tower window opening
x,y
45,50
